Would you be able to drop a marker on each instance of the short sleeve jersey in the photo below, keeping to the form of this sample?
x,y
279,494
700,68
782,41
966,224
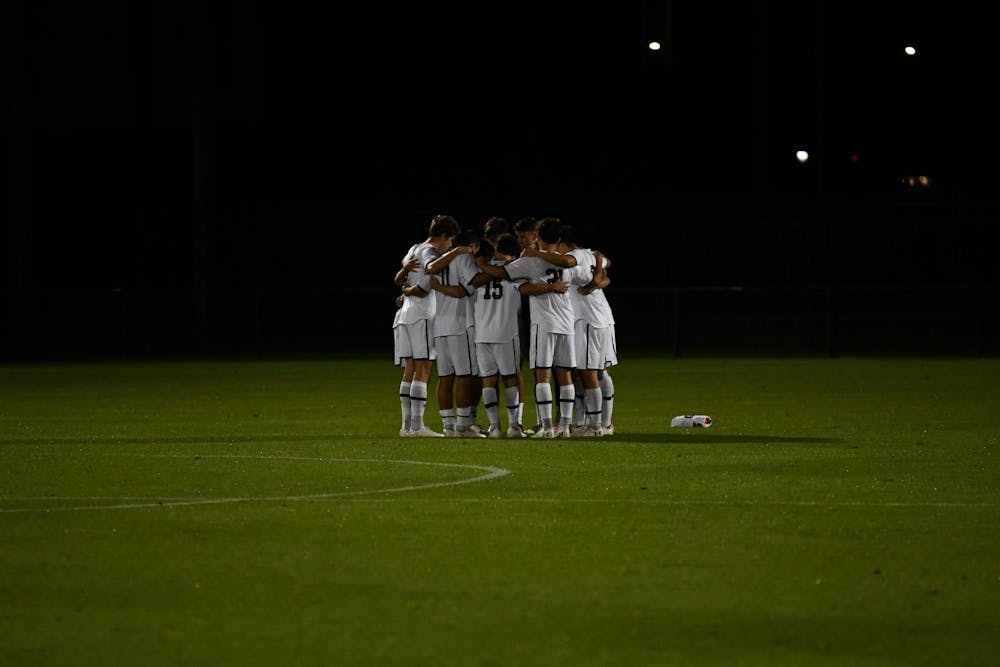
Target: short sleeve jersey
x,y
416,308
594,307
552,311
495,305
452,313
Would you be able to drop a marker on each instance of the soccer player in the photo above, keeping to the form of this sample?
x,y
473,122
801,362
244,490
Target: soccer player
x,y
592,330
406,364
416,318
497,343
552,334
454,335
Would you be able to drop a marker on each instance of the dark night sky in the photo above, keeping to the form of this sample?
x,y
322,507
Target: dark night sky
x,y
160,142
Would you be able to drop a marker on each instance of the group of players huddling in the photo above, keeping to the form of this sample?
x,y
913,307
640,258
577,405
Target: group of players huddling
x,y
471,303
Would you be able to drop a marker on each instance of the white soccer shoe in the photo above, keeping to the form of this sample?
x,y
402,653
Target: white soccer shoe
x,y
589,431
494,432
531,431
468,433
691,421
515,432
543,433
424,432
404,433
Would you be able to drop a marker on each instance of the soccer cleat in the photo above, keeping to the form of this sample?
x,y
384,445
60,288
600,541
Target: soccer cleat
x,y
691,421
543,432
424,432
476,428
609,429
533,430
494,432
468,433
404,433
564,432
515,432
451,433
589,431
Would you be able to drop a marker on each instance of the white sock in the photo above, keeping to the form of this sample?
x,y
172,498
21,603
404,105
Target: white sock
x,y
510,395
594,404
543,403
418,403
520,412
490,400
404,403
464,418
567,396
608,394
448,417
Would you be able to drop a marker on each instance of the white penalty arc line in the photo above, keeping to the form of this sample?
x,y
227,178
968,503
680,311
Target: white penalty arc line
x,y
490,472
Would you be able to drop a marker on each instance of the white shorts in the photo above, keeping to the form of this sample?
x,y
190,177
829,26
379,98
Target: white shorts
x,y
593,346
416,341
612,351
456,355
499,358
551,349
397,349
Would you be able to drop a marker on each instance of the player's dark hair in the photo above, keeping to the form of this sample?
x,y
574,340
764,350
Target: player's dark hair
x,y
467,237
526,225
485,249
507,245
496,226
548,229
567,234
444,225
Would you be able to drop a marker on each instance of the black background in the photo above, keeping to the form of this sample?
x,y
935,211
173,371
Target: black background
x,y
245,176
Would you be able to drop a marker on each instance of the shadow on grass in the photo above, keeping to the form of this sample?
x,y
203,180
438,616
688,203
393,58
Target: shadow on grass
x,y
702,437
699,437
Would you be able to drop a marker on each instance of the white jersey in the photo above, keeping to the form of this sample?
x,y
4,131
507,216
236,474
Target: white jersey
x,y
552,311
416,308
453,313
593,308
496,304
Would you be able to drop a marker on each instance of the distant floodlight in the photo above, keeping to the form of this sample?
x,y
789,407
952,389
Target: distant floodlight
x,y
802,156
654,46
910,51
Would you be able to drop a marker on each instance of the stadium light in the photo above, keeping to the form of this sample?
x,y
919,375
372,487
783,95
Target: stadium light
x,y
802,156
654,46
910,50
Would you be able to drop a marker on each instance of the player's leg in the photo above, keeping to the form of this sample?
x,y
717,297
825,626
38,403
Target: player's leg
x,y
420,342
564,360
447,372
607,383
540,357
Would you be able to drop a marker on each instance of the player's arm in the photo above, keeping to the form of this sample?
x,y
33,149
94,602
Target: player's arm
x,y
437,266
415,291
600,279
400,278
564,261
494,272
534,289
456,291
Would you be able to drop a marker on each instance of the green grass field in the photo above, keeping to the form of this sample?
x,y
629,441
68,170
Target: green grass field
x,y
839,512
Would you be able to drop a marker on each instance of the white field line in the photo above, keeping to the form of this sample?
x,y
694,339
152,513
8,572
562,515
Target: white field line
x,y
490,472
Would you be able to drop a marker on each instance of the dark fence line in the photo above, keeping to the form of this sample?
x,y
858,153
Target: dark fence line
x,y
59,322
